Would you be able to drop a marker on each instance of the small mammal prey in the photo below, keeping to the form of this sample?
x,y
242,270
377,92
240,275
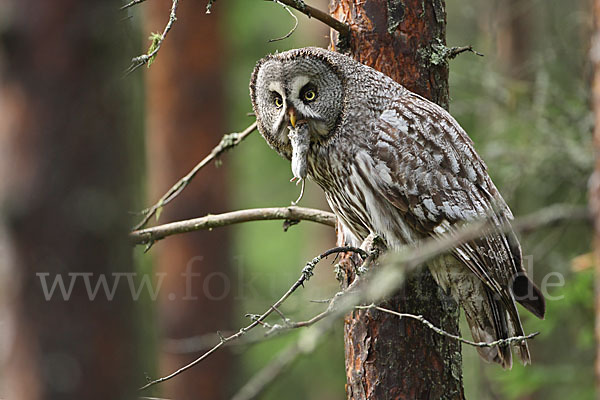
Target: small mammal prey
x,y
300,139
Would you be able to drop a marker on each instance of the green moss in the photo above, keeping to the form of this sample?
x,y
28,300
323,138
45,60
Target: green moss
x,y
396,10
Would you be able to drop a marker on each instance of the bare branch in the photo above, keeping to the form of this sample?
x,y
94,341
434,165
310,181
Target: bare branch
x,y
131,4
151,398
305,275
291,30
138,61
454,51
227,142
149,235
500,342
342,28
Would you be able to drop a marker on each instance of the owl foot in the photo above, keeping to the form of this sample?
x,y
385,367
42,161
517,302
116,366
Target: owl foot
x,y
374,245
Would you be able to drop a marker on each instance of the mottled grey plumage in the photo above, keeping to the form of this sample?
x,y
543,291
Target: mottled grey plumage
x,y
395,164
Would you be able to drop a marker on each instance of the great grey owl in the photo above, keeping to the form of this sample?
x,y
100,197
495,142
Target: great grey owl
x,y
394,164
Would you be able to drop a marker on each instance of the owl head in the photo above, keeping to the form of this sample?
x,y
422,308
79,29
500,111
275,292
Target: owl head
x,y
301,86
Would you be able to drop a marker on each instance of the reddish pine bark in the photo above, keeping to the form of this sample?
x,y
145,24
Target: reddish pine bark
x,y
389,358
185,120
66,184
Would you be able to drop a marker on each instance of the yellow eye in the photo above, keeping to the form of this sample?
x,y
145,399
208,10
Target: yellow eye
x,y
310,95
278,102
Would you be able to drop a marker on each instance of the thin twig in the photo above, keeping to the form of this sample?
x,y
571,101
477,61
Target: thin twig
x,y
421,319
196,344
286,8
209,6
131,4
151,398
227,142
454,51
342,28
155,233
193,344
138,61
305,275
283,317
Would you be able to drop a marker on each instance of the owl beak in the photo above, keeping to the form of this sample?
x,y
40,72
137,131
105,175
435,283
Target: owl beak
x,y
292,115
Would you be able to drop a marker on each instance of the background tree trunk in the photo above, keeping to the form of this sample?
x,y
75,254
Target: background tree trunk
x,y
514,23
67,137
387,357
185,120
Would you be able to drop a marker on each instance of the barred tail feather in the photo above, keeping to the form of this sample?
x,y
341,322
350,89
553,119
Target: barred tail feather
x,y
487,317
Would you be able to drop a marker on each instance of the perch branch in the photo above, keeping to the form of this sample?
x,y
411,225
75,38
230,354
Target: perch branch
x,y
227,142
149,235
138,61
305,275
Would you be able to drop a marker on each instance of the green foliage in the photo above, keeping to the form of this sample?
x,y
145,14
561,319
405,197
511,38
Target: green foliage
x,y
155,39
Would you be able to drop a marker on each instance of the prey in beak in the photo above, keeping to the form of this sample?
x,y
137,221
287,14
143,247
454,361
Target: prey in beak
x,y
299,136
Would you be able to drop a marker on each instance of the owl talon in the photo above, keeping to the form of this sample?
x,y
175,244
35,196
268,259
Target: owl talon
x,y
301,192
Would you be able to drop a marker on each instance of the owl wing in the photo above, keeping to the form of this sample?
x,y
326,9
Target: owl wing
x,y
433,176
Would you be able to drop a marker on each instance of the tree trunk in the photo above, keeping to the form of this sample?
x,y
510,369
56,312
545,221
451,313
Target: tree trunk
x,y
388,357
185,120
513,37
66,186
594,194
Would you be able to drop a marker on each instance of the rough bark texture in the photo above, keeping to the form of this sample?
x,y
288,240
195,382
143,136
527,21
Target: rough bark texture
x,y
389,358
66,184
594,194
185,120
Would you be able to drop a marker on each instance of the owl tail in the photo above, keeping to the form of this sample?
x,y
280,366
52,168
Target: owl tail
x,y
488,318
489,321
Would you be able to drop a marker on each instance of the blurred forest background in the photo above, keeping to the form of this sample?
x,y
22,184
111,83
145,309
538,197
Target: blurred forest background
x,y
526,105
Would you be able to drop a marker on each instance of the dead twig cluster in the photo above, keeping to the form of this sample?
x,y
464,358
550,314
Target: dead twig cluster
x,y
299,5
157,40
305,275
